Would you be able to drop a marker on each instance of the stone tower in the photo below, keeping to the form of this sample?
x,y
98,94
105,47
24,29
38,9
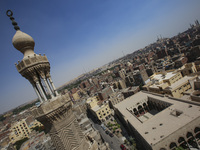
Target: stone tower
x,y
55,111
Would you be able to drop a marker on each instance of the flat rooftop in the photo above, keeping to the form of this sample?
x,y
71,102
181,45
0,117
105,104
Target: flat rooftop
x,y
160,77
180,82
98,107
162,124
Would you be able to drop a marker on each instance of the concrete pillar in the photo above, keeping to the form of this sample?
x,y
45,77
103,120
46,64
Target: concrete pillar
x,y
47,85
42,92
48,82
38,94
54,88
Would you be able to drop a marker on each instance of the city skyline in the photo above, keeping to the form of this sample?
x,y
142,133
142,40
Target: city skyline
x,y
85,34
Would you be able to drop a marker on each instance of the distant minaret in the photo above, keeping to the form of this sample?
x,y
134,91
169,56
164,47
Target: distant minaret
x,y
197,22
157,38
55,111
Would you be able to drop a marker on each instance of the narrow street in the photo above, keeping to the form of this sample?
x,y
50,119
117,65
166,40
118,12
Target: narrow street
x,y
114,142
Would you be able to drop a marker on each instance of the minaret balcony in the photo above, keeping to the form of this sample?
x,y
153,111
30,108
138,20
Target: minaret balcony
x,y
31,61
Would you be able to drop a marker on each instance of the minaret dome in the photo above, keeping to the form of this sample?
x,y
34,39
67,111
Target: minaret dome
x,y
24,43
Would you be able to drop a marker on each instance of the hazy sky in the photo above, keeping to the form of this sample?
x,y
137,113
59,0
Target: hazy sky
x,y
77,34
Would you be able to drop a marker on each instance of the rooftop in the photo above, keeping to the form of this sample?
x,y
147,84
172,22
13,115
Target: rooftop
x,y
180,82
98,107
159,126
161,77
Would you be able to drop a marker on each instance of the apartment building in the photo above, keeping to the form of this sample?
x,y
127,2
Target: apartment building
x,y
19,130
99,109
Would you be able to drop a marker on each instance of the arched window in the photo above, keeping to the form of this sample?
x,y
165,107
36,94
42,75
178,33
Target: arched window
x,y
189,135
136,112
140,109
172,146
181,140
191,140
182,143
145,107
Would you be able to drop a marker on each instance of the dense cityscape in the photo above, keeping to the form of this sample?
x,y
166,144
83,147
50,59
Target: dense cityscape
x,y
149,99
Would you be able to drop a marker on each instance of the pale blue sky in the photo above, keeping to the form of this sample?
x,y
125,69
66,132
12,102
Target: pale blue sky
x,y
83,33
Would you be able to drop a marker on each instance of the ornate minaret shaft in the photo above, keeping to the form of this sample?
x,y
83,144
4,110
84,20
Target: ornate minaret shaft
x,y
55,111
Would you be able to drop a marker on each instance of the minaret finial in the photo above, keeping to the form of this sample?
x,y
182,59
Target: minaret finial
x,y
9,13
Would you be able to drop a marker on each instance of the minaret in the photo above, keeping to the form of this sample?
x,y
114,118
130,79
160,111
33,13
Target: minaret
x,y
35,68
55,111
